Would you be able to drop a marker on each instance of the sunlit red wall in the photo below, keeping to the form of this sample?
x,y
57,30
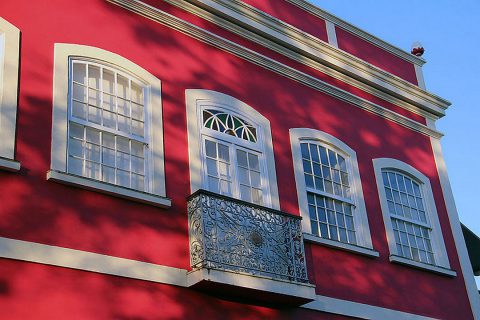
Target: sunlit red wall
x,y
375,55
37,210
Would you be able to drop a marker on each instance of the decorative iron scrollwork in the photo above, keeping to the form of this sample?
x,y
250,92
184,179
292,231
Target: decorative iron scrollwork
x,y
233,235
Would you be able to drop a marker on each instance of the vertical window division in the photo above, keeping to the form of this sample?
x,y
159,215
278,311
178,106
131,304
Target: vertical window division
x,y
230,148
107,127
107,130
330,205
409,212
329,191
409,220
232,156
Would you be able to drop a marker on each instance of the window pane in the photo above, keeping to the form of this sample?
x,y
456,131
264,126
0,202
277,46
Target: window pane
x,y
223,152
122,87
75,166
211,149
212,167
253,162
242,158
75,148
123,178
108,174
94,77
137,93
108,81
79,73
245,193
79,93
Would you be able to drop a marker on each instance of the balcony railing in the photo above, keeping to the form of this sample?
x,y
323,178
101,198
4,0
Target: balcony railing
x,y
232,235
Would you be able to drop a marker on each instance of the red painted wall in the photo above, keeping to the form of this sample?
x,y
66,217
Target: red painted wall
x,y
34,209
34,291
293,15
375,55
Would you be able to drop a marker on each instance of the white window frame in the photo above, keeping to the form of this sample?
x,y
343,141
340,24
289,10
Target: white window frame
x,y
364,241
9,68
156,194
196,100
442,265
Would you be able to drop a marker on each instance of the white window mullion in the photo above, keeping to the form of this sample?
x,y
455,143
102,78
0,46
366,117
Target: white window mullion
x,y
234,165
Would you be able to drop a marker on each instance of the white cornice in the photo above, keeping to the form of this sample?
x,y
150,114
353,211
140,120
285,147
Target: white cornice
x,y
235,28
290,39
316,11
270,64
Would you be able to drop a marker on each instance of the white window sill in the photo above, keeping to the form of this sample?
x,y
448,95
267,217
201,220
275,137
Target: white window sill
x,y
108,188
341,245
423,266
9,164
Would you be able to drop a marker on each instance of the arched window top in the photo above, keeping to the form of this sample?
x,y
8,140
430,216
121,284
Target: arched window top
x,y
234,153
227,122
410,216
329,191
107,125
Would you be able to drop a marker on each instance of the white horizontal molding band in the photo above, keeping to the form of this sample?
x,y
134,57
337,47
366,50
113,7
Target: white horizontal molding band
x,y
88,261
316,11
298,57
309,46
270,64
9,164
359,310
104,264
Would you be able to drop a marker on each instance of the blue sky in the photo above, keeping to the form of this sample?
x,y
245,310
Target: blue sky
x,y
450,34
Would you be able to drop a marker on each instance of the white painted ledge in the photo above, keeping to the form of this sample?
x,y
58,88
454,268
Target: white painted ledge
x,y
9,164
304,291
359,310
108,188
341,246
423,266
89,261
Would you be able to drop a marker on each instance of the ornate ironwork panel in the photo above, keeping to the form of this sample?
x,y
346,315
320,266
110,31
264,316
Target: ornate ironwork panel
x,y
233,235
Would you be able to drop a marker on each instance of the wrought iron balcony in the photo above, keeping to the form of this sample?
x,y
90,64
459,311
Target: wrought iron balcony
x,y
238,238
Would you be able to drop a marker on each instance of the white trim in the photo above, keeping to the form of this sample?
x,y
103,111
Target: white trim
x,y
9,64
107,188
60,107
341,245
437,240
270,44
294,289
104,264
297,135
195,98
270,64
360,310
88,261
422,266
9,164
455,226
316,11
331,34
248,17
420,78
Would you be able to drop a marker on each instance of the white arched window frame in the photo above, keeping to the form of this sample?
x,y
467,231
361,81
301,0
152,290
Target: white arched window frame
x,y
130,162
9,64
355,200
201,136
429,226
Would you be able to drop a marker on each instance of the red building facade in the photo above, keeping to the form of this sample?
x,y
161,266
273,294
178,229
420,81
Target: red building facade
x,y
157,157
